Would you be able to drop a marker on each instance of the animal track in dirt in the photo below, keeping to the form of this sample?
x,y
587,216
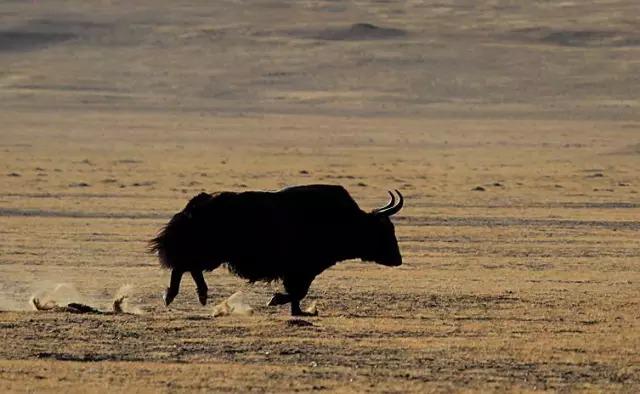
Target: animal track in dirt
x,y
20,41
79,184
579,38
299,323
355,32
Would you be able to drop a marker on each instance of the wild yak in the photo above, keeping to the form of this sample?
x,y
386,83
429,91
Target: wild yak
x,y
291,235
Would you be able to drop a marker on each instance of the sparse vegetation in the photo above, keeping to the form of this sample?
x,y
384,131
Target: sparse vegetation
x,y
529,285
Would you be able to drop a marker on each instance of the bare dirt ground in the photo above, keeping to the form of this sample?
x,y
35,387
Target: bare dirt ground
x,y
512,131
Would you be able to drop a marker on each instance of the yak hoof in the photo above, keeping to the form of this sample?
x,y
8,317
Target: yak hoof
x,y
312,310
279,299
203,298
168,296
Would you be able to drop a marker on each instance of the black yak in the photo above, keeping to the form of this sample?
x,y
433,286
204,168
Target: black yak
x,y
291,235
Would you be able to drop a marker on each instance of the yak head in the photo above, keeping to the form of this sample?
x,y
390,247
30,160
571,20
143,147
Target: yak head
x,y
381,245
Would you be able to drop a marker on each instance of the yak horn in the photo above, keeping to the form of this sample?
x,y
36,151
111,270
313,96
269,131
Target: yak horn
x,y
389,205
392,208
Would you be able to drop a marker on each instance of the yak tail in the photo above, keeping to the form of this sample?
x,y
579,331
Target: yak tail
x,y
153,246
157,245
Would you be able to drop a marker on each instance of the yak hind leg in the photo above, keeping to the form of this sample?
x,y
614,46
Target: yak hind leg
x,y
174,287
297,288
201,286
279,299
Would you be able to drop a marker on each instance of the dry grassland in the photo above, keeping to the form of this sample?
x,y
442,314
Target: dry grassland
x,y
512,131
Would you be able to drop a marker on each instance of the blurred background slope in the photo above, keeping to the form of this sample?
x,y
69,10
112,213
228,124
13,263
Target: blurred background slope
x,y
473,59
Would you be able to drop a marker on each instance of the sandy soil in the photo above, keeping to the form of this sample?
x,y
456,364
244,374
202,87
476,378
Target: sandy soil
x,y
512,131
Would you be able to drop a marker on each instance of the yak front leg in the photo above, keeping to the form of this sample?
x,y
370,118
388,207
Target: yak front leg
x,y
174,287
297,288
201,286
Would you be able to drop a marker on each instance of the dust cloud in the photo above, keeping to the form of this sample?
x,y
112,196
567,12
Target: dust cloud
x,y
122,301
236,304
65,297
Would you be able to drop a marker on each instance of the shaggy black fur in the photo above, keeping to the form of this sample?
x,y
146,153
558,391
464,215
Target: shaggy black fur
x,y
293,235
